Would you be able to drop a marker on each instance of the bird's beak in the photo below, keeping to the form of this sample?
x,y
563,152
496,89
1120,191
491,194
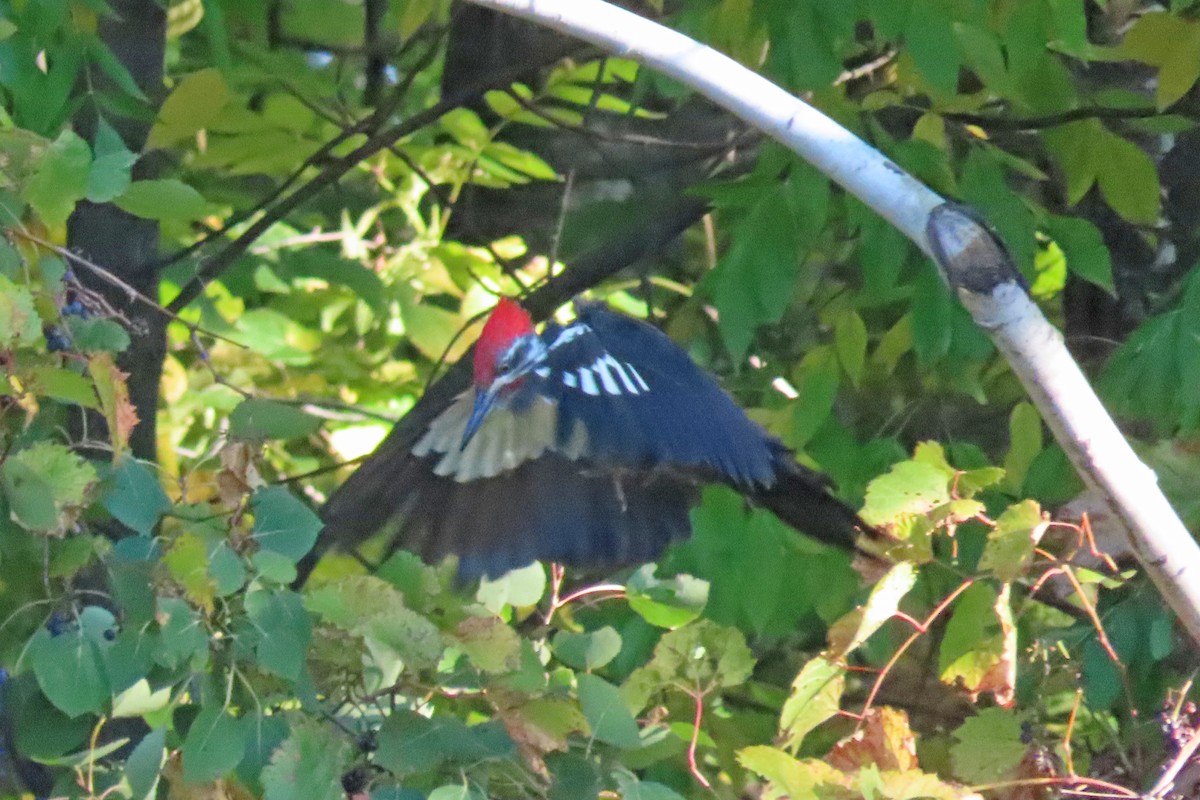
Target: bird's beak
x,y
484,400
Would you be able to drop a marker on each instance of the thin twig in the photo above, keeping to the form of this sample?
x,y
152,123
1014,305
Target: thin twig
x,y
108,277
693,767
1167,780
922,629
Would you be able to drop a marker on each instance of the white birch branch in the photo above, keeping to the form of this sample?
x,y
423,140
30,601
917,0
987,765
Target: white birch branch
x,y
972,261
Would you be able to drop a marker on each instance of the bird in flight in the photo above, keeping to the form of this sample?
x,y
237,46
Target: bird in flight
x,y
584,445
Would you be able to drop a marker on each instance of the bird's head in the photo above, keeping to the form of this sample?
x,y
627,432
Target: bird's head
x,y
507,351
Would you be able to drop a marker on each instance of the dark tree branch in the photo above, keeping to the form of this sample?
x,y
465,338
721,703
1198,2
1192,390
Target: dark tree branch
x,y
120,243
376,67
1184,108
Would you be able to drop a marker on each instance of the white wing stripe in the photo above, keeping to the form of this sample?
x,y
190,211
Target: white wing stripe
x,y
606,378
622,374
588,381
637,377
570,381
569,333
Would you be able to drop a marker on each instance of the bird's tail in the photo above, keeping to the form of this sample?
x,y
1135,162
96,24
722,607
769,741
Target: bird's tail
x,y
801,498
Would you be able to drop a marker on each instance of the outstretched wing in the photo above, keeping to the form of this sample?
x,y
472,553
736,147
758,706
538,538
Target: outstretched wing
x,y
595,463
643,403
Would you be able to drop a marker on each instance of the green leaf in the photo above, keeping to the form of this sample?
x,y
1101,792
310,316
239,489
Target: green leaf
x,y
1010,544
256,419
214,745
283,629
466,127
606,712
973,481
1087,255
518,587
134,496
61,178
63,384
850,338
491,645
815,697
929,39
97,335
183,639
669,603
1025,442
973,641
187,561
144,766
798,780
1128,179
753,283
109,175
369,607
308,764
631,788
587,651
910,487
164,199
522,161
139,700
194,104
816,380
988,746
282,524
19,321
228,571
274,567
410,743
699,657
70,671
47,486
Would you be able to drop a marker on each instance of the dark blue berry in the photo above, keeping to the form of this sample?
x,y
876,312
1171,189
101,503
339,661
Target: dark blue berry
x,y
59,623
56,339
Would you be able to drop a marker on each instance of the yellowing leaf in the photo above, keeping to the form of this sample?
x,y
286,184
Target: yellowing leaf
x,y
194,104
19,322
815,697
858,626
1170,43
883,739
1010,544
113,392
910,487
978,651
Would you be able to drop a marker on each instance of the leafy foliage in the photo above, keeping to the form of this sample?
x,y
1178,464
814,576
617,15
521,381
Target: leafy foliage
x,y
154,641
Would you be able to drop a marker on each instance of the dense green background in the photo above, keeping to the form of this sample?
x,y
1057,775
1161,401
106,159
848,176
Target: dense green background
x,y
261,227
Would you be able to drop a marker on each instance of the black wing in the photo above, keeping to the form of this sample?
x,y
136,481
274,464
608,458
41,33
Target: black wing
x,y
596,465
645,404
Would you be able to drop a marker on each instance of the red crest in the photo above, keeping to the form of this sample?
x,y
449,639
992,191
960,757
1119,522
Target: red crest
x,y
506,322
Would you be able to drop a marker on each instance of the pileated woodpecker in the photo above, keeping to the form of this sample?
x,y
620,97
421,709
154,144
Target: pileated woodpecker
x,y
586,446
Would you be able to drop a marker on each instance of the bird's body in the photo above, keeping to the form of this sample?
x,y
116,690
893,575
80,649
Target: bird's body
x,y
585,445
